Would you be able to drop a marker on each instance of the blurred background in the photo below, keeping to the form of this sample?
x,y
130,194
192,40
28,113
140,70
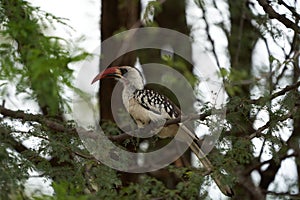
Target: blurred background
x,y
253,44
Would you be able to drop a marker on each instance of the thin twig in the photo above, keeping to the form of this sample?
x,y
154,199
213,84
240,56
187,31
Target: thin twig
x,y
277,94
258,132
290,8
259,165
281,18
209,36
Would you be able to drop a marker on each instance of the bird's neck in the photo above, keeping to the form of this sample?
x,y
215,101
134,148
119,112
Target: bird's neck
x,y
128,92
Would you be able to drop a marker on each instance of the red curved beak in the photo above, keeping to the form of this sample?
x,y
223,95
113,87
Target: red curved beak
x,y
112,72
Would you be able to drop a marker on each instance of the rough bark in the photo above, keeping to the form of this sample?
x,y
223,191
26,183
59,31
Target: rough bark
x,y
115,16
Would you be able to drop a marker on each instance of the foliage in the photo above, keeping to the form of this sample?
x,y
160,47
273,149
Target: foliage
x,y
37,67
37,63
152,8
262,117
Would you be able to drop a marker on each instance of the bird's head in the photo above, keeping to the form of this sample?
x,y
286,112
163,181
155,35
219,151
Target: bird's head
x,y
125,74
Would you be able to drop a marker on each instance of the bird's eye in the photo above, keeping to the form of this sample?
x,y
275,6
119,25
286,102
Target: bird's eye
x,y
123,71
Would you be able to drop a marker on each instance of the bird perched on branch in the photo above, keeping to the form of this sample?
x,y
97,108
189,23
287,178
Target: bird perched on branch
x,y
146,106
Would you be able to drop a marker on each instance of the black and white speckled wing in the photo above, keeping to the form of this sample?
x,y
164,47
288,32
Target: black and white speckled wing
x,y
157,103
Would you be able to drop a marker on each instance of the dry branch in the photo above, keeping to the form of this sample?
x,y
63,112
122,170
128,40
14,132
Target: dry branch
x,y
42,119
275,15
277,94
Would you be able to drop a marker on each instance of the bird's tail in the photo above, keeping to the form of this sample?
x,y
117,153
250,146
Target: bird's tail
x,y
195,147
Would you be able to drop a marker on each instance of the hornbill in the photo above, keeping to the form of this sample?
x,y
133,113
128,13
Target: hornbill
x,y
146,106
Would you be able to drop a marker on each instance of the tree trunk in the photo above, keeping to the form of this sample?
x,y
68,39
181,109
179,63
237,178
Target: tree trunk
x,y
115,15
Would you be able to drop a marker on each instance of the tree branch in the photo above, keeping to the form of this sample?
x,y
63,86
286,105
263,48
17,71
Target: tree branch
x,y
60,126
279,93
259,131
48,122
210,39
17,146
281,18
290,8
249,186
258,165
